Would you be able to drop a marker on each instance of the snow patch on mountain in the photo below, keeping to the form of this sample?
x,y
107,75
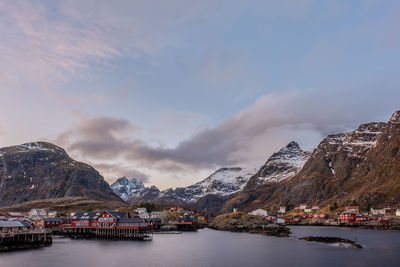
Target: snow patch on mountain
x,y
355,143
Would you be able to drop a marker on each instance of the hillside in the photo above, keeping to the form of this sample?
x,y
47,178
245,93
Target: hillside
x,y
42,170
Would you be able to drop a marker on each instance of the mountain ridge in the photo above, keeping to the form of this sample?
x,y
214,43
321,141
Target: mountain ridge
x,y
41,170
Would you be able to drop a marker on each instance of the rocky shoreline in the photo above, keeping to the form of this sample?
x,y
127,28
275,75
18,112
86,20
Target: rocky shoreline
x,y
241,222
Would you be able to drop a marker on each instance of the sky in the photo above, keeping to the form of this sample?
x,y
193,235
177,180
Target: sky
x,y
170,91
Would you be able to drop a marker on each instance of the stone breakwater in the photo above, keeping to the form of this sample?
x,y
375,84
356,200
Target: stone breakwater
x,y
242,222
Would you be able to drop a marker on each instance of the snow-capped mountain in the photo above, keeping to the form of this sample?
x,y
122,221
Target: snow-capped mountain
x,y
224,181
125,188
281,165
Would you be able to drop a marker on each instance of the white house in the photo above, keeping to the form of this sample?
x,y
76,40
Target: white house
x,y
302,206
315,207
141,210
378,210
308,210
159,214
259,212
282,209
398,212
37,214
353,209
52,214
142,213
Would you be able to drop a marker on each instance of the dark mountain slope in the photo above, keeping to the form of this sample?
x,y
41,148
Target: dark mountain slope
x,y
42,170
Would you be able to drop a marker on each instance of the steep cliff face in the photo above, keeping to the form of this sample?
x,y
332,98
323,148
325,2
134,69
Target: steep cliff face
x,y
42,170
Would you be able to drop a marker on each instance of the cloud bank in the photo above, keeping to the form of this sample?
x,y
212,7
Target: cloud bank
x,y
247,138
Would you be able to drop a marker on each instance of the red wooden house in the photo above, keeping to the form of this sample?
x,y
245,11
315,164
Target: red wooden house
x,y
49,222
347,217
103,219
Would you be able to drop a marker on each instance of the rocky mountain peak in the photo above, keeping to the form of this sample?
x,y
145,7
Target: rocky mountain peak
x,y
125,187
395,117
281,165
38,146
292,146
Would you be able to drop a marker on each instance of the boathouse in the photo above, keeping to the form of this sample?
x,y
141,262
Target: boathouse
x,y
107,224
11,226
49,223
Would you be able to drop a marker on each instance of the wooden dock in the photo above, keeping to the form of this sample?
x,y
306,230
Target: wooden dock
x,y
25,240
107,233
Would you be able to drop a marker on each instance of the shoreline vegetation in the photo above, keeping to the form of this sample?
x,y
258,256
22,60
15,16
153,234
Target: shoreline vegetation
x,y
242,222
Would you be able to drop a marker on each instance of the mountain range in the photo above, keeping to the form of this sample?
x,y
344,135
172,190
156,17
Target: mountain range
x,y
361,165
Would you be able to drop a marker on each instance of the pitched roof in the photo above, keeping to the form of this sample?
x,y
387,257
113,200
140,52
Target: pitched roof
x,y
118,214
11,224
52,219
86,215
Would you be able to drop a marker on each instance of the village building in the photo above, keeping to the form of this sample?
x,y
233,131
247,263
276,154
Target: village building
x,y
378,210
315,207
37,214
347,217
353,209
52,214
282,209
11,226
259,212
398,212
308,210
162,215
362,218
142,212
3,216
187,218
303,206
177,209
27,223
49,223
107,224
15,215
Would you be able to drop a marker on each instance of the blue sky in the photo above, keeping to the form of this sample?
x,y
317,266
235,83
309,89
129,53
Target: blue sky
x,y
169,91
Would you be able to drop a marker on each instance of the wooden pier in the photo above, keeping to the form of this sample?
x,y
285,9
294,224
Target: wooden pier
x,y
25,240
107,233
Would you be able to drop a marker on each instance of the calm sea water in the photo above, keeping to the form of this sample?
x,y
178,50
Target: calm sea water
x,y
214,248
